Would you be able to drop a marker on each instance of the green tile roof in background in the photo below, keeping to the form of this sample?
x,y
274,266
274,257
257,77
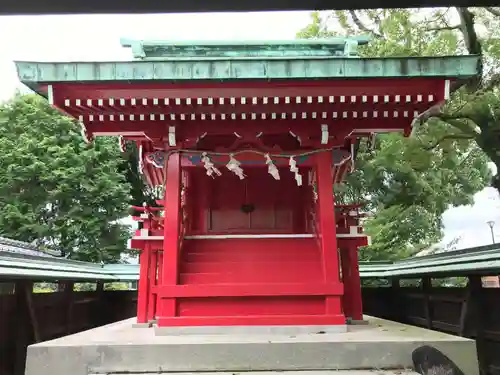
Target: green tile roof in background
x,y
480,260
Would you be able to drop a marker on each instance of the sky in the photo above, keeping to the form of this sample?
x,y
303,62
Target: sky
x,y
97,37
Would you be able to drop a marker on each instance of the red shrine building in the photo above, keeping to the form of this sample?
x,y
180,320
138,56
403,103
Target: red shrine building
x,y
245,143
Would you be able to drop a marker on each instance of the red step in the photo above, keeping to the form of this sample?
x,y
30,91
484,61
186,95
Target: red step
x,y
254,260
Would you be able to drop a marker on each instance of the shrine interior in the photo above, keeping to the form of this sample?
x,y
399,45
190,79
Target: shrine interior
x,y
258,204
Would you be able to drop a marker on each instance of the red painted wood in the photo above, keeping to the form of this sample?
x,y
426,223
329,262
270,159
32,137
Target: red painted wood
x,y
274,202
160,267
167,307
278,320
143,287
245,277
140,244
246,254
248,281
268,108
153,267
353,304
327,226
250,290
256,277
255,306
346,264
355,285
302,88
278,126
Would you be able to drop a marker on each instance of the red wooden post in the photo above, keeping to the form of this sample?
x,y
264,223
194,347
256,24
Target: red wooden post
x,y
143,289
345,261
355,283
160,268
203,190
172,218
153,266
327,228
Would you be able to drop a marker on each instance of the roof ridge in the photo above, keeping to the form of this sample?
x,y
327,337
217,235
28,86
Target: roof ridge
x,y
17,246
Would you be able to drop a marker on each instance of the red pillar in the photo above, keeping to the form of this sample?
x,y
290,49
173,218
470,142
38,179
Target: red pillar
x,y
345,261
327,228
355,283
353,303
143,288
172,217
153,266
160,267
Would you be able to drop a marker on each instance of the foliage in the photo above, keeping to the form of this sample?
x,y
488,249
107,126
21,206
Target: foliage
x,y
44,287
85,287
116,286
57,191
407,183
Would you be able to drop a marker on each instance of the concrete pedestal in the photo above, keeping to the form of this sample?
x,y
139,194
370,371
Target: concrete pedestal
x,y
250,330
322,372
120,348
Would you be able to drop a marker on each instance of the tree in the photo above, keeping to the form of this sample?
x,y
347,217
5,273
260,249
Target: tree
x,y
407,183
57,191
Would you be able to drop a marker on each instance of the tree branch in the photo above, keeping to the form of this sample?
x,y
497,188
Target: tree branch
x,y
457,121
467,27
362,26
493,11
472,43
448,137
443,28
493,82
436,112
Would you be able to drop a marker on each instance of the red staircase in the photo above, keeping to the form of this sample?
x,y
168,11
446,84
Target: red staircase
x,y
275,280
255,261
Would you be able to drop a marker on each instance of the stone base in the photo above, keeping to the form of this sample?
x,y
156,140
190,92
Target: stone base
x,y
358,322
340,372
119,348
249,330
142,325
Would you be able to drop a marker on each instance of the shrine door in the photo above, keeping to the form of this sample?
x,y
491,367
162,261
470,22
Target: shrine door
x,y
257,204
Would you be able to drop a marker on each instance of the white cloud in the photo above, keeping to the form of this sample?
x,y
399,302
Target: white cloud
x,y
470,222
97,37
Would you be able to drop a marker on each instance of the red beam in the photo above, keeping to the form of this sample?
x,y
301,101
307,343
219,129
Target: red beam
x,y
156,129
321,109
258,320
249,290
249,89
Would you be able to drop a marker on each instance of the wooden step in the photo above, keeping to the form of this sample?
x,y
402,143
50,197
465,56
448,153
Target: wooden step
x,y
248,277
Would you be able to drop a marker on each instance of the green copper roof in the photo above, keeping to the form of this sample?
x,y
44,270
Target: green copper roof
x,y
484,260
220,69
258,60
21,266
151,49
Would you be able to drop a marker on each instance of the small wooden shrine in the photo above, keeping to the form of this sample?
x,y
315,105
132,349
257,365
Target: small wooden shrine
x,y
246,141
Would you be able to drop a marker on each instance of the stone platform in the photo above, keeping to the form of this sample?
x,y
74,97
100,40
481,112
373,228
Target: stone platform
x,y
120,348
